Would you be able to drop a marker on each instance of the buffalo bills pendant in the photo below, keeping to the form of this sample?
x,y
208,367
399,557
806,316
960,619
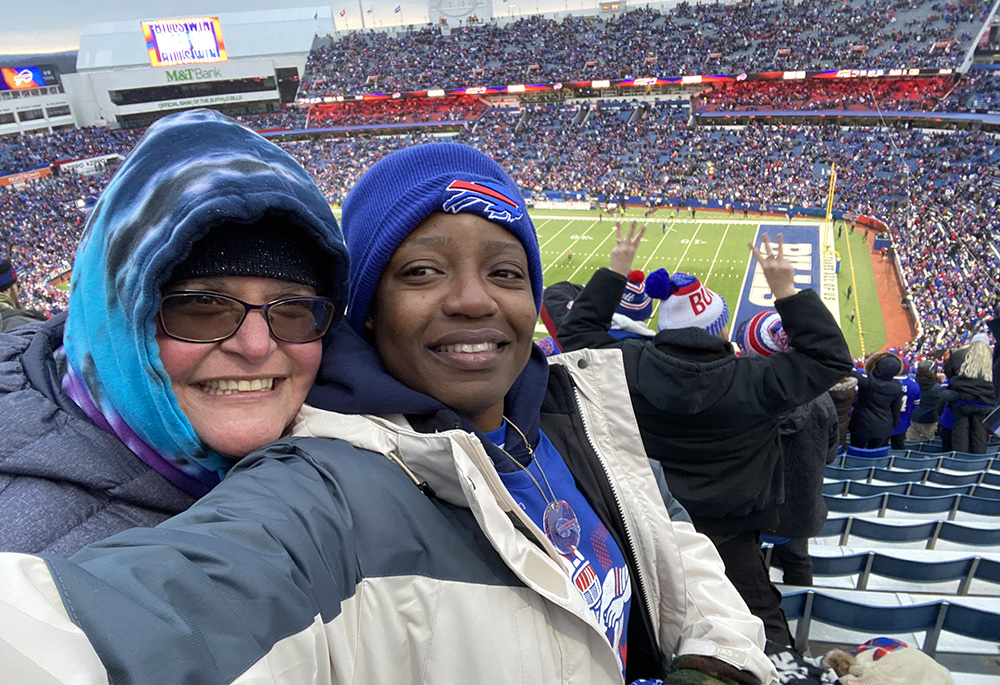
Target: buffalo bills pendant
x,y
561,526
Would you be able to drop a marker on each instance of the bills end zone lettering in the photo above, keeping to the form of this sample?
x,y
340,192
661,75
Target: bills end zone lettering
x,y
802,248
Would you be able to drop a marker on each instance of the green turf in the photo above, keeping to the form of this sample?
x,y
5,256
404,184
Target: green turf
x,y
864,295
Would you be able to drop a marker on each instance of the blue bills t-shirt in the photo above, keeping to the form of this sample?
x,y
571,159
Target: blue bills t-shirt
x,y
597,566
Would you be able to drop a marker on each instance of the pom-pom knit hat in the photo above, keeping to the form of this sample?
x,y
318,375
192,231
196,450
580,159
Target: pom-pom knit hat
x,y
687,303
400,191
763,335
636,304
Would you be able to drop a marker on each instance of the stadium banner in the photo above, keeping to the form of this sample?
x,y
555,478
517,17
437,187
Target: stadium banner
x,y
192,40
91,165
23,78
802,247
24,177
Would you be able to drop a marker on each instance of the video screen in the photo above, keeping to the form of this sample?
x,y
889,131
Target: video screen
x,y
194,40
22,78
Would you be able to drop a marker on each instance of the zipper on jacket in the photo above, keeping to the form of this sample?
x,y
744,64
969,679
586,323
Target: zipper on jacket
x,y
633,557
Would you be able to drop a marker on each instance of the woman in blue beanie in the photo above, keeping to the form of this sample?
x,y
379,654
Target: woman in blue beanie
x,y
479,515
139,401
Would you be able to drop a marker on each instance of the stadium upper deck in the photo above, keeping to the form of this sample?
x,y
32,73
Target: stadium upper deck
x,y
709,38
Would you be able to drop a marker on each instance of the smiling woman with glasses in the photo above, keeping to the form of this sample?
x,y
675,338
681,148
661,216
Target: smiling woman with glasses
x,y
205,287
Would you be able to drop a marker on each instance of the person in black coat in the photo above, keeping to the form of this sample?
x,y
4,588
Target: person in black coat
x,y
925,417
810,436
879,403
969,394
709,417
843,394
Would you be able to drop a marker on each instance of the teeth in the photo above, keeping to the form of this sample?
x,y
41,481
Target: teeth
x,y
466,348
227,387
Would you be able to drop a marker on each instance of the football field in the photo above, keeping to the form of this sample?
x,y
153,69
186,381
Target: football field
x,y
713,247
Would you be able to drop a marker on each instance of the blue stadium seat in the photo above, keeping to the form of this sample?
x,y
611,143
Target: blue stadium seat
x,y
875,453
923,505
954,478
916,463
867,489
985,492
851,462
979,505
894,476
843,505
921,490
880,620
967,535
840,473
956,464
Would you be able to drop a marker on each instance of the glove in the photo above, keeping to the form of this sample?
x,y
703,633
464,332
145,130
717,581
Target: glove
x,y
692,669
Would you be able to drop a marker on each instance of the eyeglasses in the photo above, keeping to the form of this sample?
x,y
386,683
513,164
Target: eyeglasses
x,y
202,316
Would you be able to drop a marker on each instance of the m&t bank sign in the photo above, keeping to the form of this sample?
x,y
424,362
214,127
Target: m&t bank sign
x,y
192,74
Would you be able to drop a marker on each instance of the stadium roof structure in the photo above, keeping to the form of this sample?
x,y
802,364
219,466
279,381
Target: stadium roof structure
x,y
257,33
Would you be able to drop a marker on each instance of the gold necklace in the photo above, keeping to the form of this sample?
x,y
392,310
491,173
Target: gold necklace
x,y
559,521
531,453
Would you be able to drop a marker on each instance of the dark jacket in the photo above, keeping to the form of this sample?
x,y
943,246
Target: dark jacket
x,y
64,481
809,439
11,317
994,326
843,395
965,389
710,417
877,409
930,393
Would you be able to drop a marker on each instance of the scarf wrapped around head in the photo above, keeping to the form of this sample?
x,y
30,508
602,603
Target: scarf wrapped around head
x,y
191,172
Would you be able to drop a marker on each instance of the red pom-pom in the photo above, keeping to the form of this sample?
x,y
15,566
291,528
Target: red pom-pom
x,y
636,276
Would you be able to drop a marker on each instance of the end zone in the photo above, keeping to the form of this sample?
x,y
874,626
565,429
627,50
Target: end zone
x,y
814,268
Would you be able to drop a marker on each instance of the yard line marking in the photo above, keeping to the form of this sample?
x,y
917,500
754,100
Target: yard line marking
x,y
590,256
553,237
690,243
717,250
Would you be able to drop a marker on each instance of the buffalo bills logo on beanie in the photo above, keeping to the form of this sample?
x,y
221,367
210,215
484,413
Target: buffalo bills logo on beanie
x,y
490,198
402,189
636,304
763,335
687,303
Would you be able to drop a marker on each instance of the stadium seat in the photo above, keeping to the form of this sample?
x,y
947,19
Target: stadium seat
x,y
851,462
840,473
876,453
843,505
896,476
879,620
954,478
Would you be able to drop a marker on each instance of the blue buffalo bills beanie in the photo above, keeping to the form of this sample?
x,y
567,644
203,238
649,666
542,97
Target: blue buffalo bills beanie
x,y
401,190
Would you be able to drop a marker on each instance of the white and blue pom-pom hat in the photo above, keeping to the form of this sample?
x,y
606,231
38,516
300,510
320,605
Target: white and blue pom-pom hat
x,y
401,190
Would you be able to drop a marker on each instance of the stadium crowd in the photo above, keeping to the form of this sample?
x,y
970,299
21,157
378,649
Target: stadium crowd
x,y
936,191
700,38
899,95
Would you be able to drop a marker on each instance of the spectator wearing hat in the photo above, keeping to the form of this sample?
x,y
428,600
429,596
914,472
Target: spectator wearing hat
x,y
925,416
11,314
203,286
879,402
712,418
809,439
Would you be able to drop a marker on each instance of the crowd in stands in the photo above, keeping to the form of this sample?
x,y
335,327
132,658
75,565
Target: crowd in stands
x,y
701,38
41,227
887,95
936,191
34,150
977,90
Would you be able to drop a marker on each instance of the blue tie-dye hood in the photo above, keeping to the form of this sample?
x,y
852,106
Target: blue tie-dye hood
x,y
190,172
